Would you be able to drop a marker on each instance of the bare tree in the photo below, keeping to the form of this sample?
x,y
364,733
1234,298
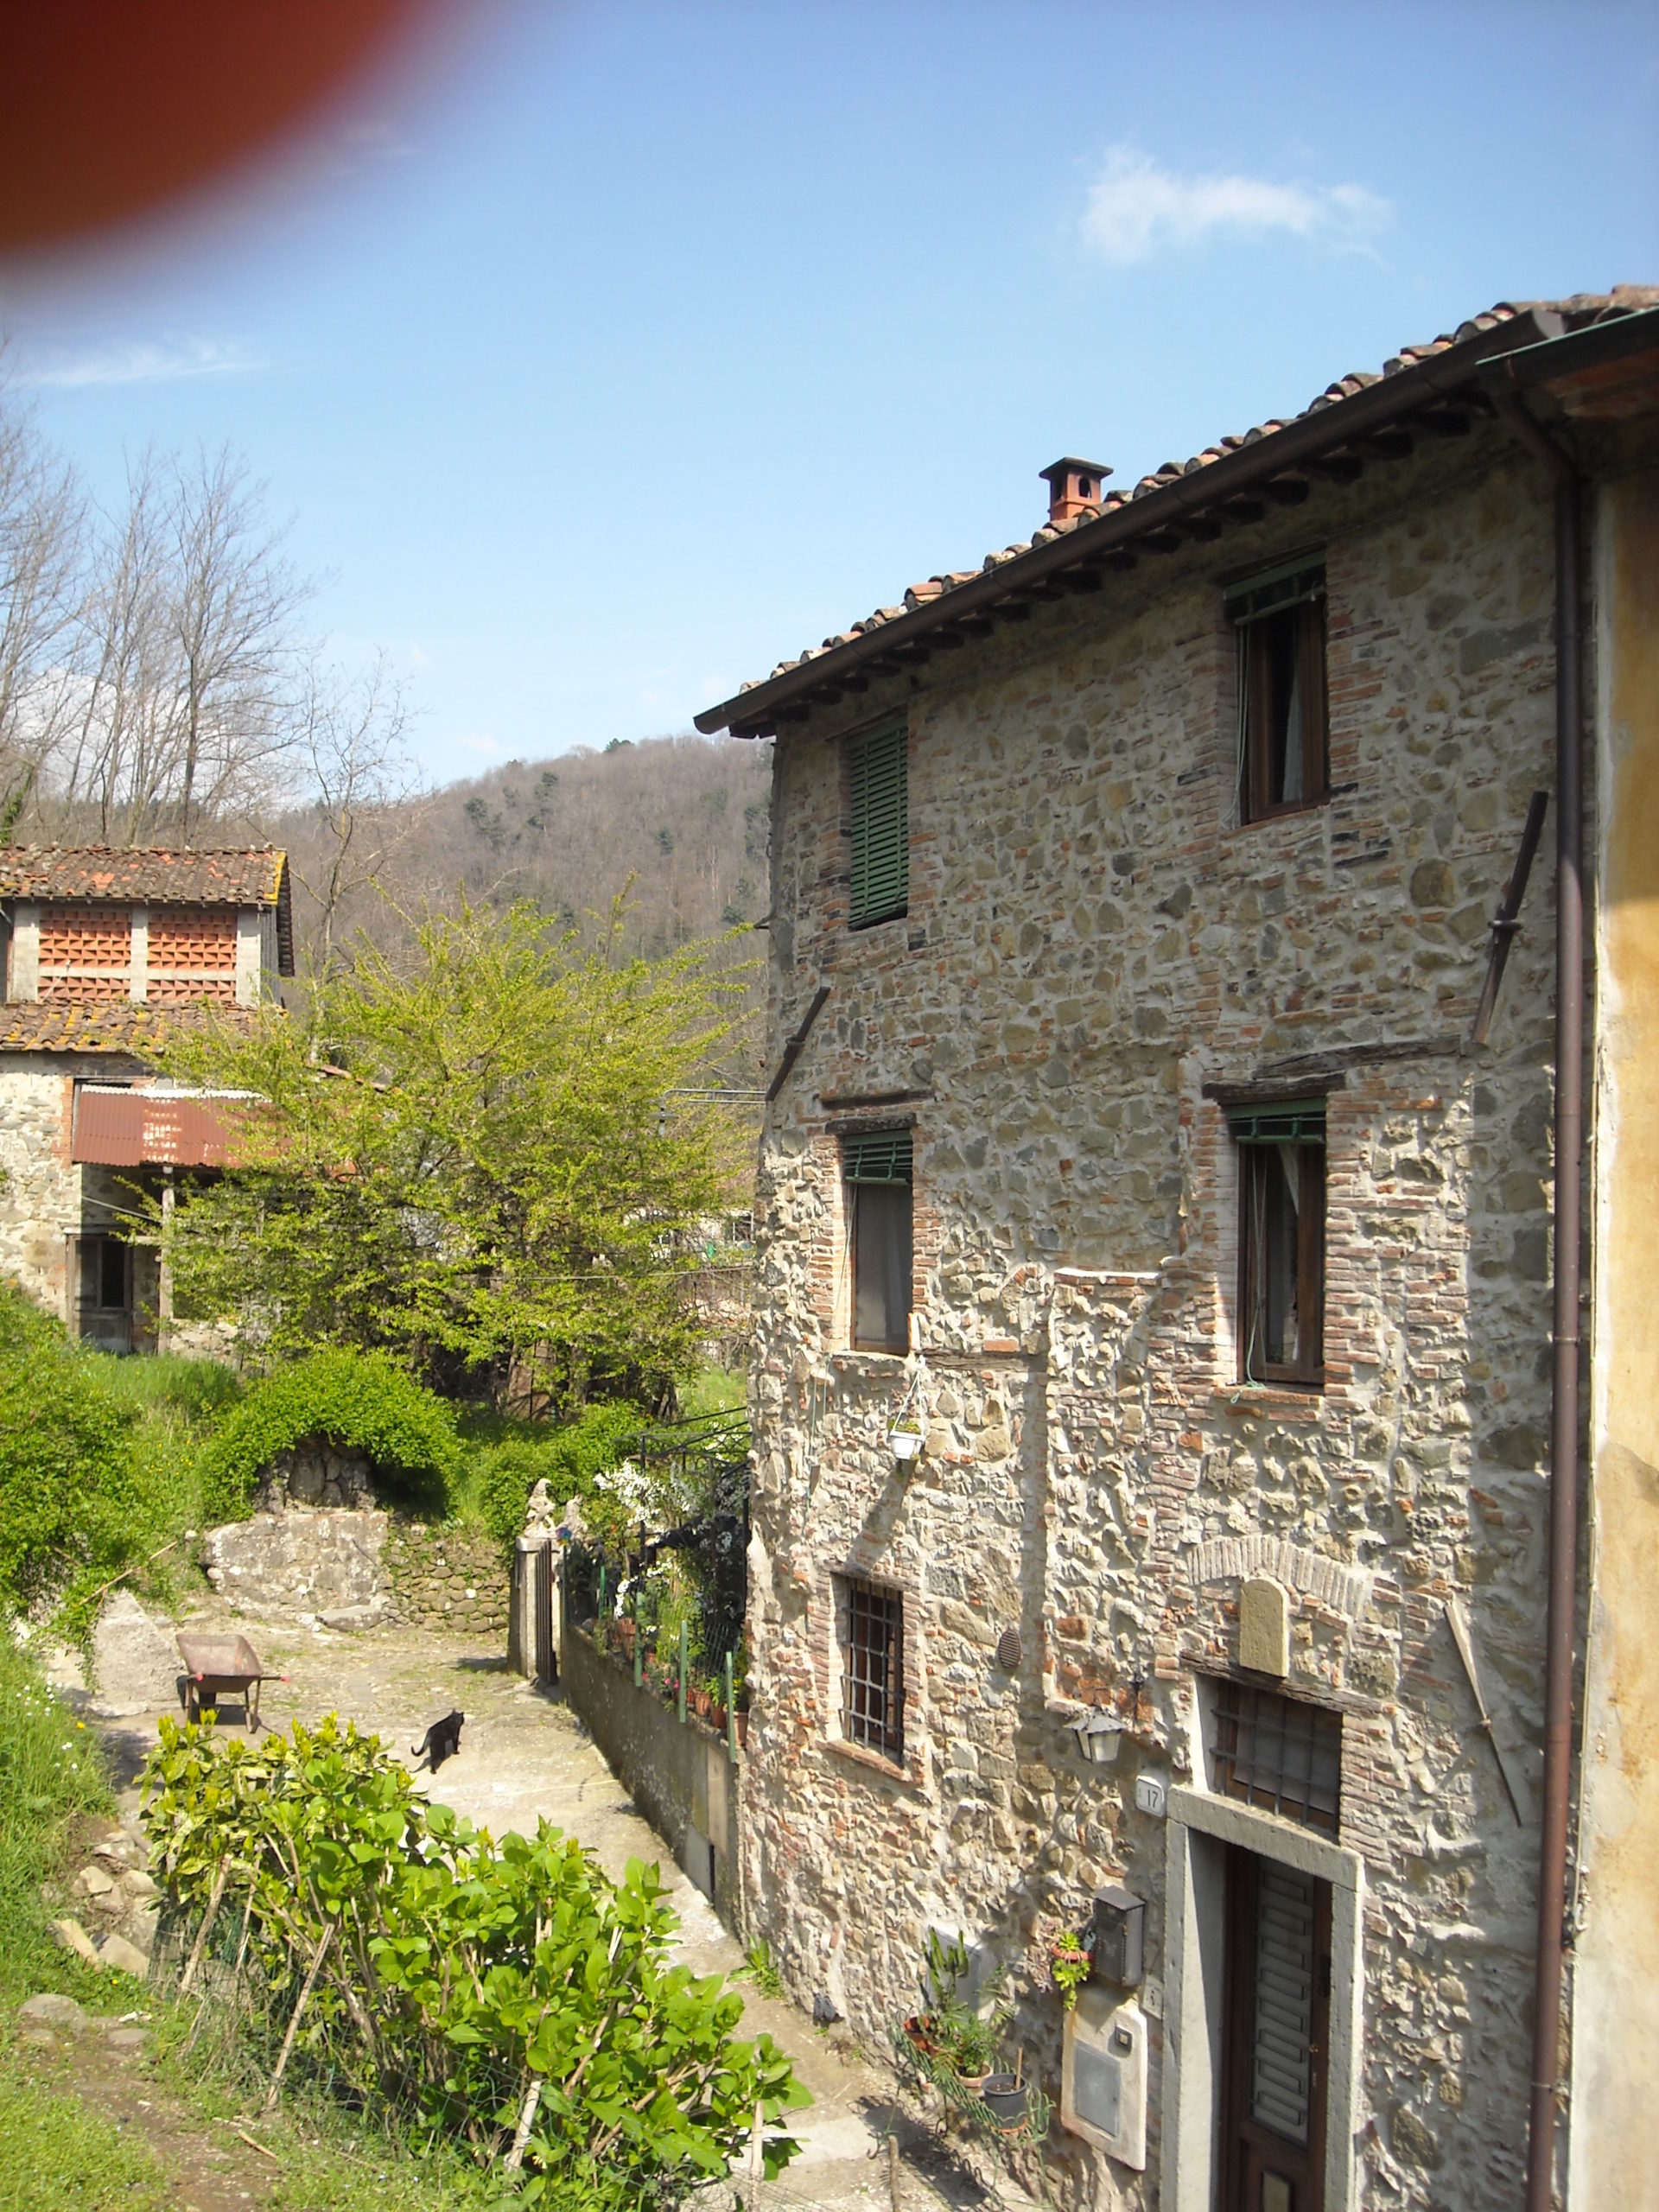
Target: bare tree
x,y
187,679
354,741
233,605
42,532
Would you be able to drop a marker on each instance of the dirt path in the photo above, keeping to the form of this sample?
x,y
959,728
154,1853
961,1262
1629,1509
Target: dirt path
x,y
524,1756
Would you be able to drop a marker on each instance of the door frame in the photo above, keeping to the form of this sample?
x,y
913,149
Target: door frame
x,y
1200,1826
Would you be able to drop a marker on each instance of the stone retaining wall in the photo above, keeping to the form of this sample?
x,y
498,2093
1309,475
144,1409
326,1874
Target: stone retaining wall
x,y
680,1772
448,1580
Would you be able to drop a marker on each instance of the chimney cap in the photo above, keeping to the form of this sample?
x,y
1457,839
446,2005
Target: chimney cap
x,y
1069,465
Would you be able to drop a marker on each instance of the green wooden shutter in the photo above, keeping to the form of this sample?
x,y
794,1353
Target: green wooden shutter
x,y
881,880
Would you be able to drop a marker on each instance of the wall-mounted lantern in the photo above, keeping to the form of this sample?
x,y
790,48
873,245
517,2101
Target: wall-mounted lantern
x,y
1100,1736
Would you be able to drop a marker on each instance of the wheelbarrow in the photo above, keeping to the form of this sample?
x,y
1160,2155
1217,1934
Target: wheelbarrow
x,y
217,1665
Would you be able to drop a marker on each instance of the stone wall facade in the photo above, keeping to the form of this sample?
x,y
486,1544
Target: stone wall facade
x,y
40,1189
1092,945
453,1582
311,1564
49,1201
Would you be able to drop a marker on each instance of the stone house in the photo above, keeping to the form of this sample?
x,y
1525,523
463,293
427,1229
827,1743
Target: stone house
x,y
1163,1123
98,946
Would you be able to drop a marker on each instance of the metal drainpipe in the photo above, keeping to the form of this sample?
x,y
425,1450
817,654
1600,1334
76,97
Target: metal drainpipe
x,y
1564,1414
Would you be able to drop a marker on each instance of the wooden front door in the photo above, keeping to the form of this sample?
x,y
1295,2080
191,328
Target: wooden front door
x,y
1277,2037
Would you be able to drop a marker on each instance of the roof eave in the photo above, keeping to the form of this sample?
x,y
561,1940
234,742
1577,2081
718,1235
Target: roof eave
x,y
754,712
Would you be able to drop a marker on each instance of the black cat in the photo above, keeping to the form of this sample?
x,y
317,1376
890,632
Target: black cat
x,y
441,1740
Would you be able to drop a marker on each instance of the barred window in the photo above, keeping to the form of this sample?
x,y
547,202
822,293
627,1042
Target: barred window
x,y
1278,1754
873,1670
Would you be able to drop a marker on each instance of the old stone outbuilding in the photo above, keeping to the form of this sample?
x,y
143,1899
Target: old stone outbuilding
x,y
99,947
1164,1124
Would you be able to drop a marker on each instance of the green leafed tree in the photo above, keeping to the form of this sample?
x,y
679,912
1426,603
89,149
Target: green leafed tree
x,y
488,1160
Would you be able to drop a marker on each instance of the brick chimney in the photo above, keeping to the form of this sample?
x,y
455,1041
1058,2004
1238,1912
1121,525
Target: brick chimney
x,y
1075,486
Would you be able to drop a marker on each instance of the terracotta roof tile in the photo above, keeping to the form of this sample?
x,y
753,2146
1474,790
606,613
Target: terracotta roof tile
x,y
1582,308
118,1027
241,878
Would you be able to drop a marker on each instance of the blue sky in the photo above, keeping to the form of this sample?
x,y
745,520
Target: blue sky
x,y
635,347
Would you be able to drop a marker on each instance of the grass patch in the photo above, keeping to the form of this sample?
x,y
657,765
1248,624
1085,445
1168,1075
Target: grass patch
x,y
58,2155
714,1391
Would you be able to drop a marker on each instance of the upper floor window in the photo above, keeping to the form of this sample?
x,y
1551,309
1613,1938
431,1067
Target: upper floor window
x,y
876,1169
879,775
1281,1241
1279,619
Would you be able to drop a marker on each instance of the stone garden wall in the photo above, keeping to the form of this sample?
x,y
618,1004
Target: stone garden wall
x,y
351,1569
441,1578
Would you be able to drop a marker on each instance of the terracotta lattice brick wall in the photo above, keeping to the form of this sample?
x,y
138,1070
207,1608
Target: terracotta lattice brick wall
x,y
85,938
194,941
191,991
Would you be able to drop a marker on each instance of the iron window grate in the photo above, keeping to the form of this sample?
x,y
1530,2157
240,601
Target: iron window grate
x,y
1271,590
1278,1754
872,1682
884,1156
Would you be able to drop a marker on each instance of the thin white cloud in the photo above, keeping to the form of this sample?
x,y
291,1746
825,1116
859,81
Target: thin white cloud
x,y
1137,208
487,748
144,361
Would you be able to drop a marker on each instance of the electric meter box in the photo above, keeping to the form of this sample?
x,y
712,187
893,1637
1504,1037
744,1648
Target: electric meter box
x,y
1117,1936
1103,2076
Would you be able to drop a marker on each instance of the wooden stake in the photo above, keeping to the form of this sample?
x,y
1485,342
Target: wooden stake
x,y
188,1979
515,2157
312,1972
892,2172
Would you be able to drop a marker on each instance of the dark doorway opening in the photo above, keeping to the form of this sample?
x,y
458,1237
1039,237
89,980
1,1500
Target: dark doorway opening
x,y
1276,2037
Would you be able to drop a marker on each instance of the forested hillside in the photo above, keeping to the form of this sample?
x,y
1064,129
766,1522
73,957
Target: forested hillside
x,y
678,823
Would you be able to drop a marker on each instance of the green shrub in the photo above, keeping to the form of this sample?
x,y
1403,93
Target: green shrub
x,y
51,1776
75,1505
465,1986
352,1398
567,1458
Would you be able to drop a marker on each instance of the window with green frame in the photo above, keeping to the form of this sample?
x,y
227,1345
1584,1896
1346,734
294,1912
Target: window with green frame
x,y
1281,1241
879,778
876,1168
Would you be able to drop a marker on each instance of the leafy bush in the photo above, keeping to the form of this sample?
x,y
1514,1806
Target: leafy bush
x,y
51,1776
506,1994
352,1398
569,1458
73,1507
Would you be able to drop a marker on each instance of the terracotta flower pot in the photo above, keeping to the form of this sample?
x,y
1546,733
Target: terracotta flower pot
x,y
916,2031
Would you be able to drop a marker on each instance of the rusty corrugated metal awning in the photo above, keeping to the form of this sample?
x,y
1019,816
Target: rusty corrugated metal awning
x,y
145,1129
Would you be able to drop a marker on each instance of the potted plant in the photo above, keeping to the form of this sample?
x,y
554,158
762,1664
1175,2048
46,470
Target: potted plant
x,y
949,2032
968,2045
1005,2096
905,1443
1070,1964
